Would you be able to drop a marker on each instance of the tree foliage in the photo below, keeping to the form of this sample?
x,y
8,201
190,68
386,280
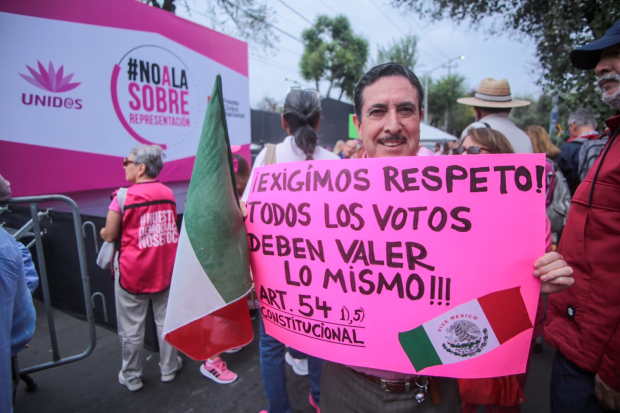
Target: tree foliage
x,y
167,5
333,53
269,104
536,113
556,26
249,20
444,112
402,51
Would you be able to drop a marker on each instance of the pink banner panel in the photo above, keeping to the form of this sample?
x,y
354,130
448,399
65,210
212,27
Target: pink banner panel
x,y
84,82
24,165
134,15
412,264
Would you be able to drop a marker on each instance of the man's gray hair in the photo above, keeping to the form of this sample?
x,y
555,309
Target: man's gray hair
x,y
582,117
152,156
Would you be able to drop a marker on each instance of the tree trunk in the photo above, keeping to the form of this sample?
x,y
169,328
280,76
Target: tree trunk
x,y
341,93
329,89
169,6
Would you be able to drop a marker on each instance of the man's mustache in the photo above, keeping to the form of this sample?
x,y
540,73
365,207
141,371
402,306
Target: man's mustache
x,y
391,137
611,76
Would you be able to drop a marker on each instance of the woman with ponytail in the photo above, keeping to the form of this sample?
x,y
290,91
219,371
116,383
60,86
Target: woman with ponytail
x,y
300,119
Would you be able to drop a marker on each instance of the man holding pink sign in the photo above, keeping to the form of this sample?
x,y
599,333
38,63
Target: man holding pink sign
x,y
388,113
348,266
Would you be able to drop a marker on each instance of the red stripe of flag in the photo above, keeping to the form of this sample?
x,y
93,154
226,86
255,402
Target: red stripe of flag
x,y
506,313
222,330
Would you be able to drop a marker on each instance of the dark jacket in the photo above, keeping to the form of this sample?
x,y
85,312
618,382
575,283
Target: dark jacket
x,y
583,321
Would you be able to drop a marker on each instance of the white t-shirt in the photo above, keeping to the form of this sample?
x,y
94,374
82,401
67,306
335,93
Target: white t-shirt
x,y
287,151
519,140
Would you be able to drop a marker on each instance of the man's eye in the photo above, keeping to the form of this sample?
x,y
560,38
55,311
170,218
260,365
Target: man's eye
x,y
377,112
407,111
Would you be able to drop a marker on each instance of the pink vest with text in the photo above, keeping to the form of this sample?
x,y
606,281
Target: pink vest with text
x,y
149,238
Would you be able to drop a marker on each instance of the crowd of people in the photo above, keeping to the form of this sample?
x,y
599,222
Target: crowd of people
x,y
582,318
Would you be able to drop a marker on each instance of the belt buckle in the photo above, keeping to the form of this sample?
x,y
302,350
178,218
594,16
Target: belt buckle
x,y
384,384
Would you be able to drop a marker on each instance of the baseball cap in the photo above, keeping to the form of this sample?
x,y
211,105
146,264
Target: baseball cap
x,y
587,57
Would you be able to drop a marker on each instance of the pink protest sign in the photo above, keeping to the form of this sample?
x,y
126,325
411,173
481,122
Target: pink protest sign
x,y
414,264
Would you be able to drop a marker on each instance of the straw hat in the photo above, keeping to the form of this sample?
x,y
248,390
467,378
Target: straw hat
x,y
493,94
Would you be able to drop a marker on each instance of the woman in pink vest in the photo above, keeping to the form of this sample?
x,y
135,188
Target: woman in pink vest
x,y
142,221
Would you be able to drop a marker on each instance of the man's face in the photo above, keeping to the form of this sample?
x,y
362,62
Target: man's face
x,y
390,123
608,72
572,130
349,148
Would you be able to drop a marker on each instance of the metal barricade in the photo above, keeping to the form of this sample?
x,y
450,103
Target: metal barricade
x,y
34,224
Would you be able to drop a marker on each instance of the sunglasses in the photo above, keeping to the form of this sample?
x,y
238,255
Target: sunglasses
x,y
472,150
126,162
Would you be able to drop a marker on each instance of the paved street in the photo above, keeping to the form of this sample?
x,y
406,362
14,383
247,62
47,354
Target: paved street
x,y
91,385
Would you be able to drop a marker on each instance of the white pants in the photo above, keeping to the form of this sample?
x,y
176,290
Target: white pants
x,y
131,312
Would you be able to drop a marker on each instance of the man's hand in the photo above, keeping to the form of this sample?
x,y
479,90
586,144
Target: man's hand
x,y
554,273
244,209
608,397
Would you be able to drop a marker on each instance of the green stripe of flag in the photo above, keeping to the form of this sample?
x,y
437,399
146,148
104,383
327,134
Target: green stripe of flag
x,y
419,348
213,220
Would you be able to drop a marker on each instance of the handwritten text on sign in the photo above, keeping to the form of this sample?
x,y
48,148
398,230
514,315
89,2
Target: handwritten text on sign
x,y
347,255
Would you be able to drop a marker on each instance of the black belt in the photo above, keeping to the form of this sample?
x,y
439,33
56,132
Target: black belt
x,y
405,385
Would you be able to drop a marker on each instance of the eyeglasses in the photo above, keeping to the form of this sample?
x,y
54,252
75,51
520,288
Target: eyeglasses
x,y
304,89
472,150
126,162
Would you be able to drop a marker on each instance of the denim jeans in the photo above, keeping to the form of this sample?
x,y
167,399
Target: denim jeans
x,y
274,376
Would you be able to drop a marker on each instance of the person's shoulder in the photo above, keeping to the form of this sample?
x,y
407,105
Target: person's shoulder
x,y
260,158
5,237
166,189
473,125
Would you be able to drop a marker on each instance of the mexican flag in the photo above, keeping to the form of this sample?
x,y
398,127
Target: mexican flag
x,y
207,308
468,330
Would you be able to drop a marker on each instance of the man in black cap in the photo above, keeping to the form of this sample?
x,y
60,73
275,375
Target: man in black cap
x,y
583,322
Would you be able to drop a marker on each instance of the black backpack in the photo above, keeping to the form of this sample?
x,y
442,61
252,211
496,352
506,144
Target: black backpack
x,y
557,210
589,153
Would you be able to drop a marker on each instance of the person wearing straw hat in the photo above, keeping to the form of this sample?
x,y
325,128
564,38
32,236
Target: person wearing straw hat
x,y
583,323
492,104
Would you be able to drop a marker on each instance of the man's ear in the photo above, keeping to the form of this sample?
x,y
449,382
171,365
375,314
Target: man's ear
x,y
421,115
477,113
358,126
141,170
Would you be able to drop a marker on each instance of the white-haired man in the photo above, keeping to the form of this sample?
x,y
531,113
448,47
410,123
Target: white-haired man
x,y
583,322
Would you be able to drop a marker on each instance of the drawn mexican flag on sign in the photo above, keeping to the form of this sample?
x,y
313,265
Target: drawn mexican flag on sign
x,y
469,330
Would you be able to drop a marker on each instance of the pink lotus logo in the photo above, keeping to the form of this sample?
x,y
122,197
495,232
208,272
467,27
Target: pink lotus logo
x,y
50,79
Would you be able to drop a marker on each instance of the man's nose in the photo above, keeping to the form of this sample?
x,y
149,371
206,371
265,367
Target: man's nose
x,y
604,66
392,124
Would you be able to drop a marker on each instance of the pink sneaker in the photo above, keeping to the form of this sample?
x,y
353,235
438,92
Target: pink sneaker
x,y
217,371
313,403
